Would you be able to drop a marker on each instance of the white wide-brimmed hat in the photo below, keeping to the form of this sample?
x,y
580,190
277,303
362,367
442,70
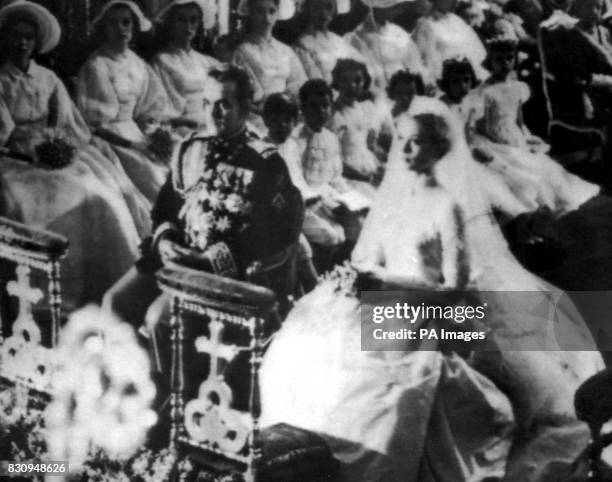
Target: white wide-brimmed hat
x,y
49,30
286,9
145,23
208,7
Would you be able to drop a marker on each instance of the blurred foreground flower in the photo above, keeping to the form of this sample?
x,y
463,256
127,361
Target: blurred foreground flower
x,y
102,391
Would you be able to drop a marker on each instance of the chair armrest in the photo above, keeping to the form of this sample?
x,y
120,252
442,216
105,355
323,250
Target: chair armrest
x,y
275,261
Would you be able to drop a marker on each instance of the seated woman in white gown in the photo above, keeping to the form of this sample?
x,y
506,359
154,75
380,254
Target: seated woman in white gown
x,y
121,98
406,415
87,196
387,47
185,72
273,66
318,48
441,34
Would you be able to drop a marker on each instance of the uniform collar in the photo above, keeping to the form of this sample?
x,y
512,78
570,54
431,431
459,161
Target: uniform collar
x,y
240,138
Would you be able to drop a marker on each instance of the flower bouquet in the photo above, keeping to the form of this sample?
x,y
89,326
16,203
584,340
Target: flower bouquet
x,y
161,144
55,152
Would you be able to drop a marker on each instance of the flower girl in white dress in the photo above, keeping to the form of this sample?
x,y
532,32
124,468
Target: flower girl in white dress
x,y
500,131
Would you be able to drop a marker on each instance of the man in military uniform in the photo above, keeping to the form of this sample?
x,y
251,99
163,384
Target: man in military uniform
x,y
228,203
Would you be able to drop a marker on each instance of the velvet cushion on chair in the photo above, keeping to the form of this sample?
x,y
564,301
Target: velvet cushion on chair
x,y
291,454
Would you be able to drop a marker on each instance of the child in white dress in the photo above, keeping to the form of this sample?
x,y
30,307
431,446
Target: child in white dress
x,y
458,80
328,224
503,134
359,126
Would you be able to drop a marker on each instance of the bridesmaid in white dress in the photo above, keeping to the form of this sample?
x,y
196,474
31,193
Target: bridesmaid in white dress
x,y
318,48
273,66
359,125
121,98
185,73
387,47
90,200
441,34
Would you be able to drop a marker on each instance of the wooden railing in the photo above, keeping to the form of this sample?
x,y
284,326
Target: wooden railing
x,y
216,433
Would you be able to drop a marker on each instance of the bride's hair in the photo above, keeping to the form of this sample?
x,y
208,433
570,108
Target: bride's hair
x,y
437,131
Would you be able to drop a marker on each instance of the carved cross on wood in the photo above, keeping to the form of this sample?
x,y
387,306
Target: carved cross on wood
x,y
27,295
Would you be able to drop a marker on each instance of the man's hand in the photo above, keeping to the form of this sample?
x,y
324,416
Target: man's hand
x,y
169,251
173,253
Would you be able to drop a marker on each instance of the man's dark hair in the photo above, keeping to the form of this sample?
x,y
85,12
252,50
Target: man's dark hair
x,y
314,87
244,87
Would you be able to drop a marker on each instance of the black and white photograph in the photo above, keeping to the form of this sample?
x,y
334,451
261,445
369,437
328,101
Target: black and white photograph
x,y
306,240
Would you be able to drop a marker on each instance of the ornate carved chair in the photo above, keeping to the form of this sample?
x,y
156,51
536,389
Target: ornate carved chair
x,y
584,141
23,250
210,424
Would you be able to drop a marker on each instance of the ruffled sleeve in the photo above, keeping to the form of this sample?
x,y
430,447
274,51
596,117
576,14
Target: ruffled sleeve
x,y
96,97
152,103
523,91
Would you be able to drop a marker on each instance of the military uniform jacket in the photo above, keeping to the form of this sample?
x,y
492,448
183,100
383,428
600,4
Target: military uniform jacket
x,y
232,199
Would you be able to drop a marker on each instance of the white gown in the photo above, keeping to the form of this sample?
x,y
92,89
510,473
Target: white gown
x,y
490,111
273,67
388,48
91,201
377,410
113,92
320,51
441,36
191,90
395,415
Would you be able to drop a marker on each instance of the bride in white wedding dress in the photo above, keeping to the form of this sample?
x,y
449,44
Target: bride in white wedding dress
x,y
424,415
